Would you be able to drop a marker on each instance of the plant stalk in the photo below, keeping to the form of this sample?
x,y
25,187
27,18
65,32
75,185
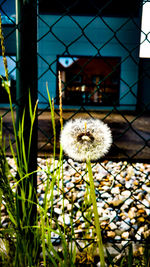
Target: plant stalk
x,y
96,217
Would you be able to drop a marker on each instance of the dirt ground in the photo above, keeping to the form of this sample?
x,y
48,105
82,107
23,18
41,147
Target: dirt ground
x,y
131,133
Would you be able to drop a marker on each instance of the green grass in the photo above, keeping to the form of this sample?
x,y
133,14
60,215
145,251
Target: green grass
x,y
15,246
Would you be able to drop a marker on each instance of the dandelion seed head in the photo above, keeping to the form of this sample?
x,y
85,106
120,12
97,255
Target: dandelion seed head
x,y
84,139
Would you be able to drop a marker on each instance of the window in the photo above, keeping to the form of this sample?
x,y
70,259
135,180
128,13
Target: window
x,y
90,81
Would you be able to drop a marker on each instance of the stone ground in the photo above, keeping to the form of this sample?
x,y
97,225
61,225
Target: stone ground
x,y
123,189
123,202
131,133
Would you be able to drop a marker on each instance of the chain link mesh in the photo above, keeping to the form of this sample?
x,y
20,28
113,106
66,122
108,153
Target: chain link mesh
x,y
89,31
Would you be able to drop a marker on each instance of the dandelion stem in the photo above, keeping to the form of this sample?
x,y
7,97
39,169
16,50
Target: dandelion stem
x,y
96,217
61,149
60,100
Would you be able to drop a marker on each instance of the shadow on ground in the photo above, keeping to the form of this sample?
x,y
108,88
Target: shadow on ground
x,y
131,133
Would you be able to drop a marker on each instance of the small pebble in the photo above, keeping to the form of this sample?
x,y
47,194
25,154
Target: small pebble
x,y
112,226
124,226
132,212
126,193
111,234
115,190
146,188
146,234
125,235
106,195
66,219
58,211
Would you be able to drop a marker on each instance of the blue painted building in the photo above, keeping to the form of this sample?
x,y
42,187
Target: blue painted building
x,y
83,32
112,33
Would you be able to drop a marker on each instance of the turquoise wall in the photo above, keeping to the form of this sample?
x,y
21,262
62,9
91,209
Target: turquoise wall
x,y
99,33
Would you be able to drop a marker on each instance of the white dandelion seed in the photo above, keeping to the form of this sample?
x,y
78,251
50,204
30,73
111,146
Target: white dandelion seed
x,y
85,139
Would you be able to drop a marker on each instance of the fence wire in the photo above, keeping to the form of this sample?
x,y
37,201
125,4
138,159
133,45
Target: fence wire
x,y
96,47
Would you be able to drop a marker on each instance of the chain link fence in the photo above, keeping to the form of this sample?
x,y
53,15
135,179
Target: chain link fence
x,y
96,46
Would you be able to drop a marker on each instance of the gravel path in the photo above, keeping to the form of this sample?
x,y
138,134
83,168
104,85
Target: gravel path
x,y
123,200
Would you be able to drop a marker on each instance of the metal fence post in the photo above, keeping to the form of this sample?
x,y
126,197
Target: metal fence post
x,y
26,73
